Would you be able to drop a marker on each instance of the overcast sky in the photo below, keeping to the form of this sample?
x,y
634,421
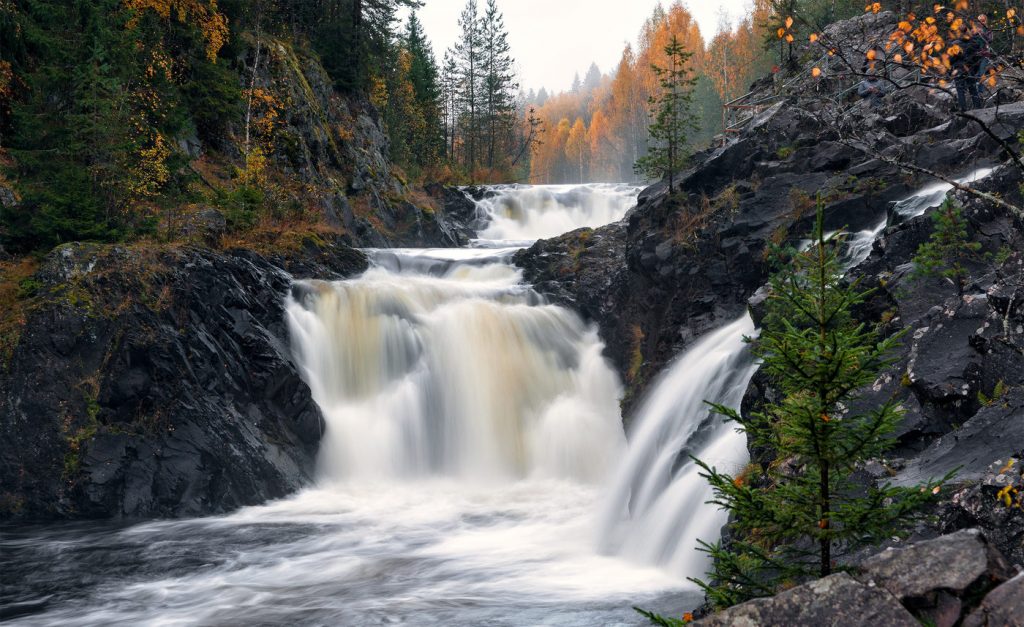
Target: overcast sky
x,y
553,39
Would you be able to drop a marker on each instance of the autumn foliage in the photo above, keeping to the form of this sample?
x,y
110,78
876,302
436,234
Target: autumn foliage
x,y
611,114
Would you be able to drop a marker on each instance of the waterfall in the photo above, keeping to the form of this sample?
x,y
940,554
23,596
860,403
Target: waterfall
x,y
453,369
521,214
933,195
655,510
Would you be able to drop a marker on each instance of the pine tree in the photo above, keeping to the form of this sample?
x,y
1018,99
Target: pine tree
x,y
469,55
948,247
428,144
791,518
672,118
450,96
499,82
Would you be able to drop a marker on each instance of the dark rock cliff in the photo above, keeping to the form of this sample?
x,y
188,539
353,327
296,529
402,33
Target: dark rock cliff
x,y
159,382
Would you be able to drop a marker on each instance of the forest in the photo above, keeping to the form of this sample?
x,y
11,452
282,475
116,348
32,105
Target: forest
x,y
99,102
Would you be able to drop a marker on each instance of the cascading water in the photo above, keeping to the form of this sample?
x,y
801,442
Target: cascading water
x,y
521,214
860,243
464,375
470,429
655,510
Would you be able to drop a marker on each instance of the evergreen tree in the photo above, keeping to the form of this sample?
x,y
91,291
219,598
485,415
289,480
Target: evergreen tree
x,y
499,82
469,55
948,247
450,94
672,117
425,80
593,78
792,517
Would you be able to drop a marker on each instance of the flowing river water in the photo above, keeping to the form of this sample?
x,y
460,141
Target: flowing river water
x,y
473,470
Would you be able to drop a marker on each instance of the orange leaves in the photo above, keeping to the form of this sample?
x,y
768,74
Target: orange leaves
x,y
871,55
688,617
789,38
898,58
816,72
905,27
789,22
1010,13
955,50
874,7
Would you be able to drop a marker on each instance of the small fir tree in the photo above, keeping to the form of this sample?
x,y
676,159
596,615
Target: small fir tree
x,y
673,120
790,518
947,248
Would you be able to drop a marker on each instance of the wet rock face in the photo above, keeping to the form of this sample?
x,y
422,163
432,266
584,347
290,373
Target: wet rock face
x,y
158,384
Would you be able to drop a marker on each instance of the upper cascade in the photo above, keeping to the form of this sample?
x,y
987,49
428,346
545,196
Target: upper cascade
x,y
522,214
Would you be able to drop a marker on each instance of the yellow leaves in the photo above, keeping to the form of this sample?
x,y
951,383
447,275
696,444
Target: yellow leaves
x,y
955,50
202,14
1010,13
149,172
816,72
789,22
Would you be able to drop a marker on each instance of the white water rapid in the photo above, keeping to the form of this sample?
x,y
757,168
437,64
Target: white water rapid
x,y
521,214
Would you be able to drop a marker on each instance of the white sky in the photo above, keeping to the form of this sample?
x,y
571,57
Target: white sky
x,y
553,39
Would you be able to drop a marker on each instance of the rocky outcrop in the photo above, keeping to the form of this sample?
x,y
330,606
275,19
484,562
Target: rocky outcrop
x,y
157,381
940,582
836,601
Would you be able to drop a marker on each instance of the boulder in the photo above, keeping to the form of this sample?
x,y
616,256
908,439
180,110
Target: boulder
x,y
1003,607
936,578
837,600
